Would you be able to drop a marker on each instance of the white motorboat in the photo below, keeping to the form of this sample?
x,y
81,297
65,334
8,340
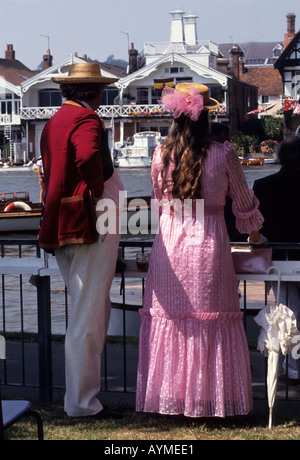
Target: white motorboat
x,y
18,213
139,154
16,169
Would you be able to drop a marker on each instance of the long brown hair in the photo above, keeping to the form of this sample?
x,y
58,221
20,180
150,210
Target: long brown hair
x,y
186,148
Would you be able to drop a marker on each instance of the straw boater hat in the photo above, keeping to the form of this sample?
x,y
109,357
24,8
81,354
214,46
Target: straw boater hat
x,y
88,72
209,102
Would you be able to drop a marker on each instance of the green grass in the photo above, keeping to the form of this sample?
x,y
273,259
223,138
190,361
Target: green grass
x,y
147,427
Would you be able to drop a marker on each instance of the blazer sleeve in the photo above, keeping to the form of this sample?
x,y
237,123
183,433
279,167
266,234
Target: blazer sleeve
x,y
86,140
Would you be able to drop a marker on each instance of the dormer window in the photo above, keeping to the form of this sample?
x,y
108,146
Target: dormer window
x,y
277,50
174,70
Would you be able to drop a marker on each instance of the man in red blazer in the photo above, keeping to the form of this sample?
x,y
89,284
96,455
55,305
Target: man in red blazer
x,y
77,166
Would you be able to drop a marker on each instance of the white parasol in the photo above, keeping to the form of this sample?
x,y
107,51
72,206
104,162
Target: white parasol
x,y
279,326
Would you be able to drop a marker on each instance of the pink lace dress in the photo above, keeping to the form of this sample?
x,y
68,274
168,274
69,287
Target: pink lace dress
x,y
193,353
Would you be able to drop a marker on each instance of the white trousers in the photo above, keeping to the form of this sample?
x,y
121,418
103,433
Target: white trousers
x,y
87,270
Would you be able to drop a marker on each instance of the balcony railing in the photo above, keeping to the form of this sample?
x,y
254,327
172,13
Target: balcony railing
x,y
33,113
109,111
104,111
158,48
14,119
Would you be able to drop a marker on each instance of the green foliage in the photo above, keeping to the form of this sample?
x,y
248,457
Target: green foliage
x,y
274,128
254,127
6,151
245,144
265,128
258,135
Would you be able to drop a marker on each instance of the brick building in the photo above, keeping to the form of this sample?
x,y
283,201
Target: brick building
x,y
254,64
288,65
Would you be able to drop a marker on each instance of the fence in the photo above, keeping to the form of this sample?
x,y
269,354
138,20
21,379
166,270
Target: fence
x,y
31,287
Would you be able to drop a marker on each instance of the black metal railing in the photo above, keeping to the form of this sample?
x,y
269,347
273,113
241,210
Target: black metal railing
x,y
31,291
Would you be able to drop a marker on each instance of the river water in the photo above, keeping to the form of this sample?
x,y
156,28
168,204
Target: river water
x,y
136,182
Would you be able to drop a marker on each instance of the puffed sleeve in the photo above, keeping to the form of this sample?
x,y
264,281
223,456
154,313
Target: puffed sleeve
x,y
155,172
244,202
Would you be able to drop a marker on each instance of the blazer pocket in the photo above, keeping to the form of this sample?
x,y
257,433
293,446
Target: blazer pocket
x,y
77,220
72,215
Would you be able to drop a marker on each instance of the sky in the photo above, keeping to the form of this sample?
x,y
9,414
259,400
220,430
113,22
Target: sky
x,y
100,28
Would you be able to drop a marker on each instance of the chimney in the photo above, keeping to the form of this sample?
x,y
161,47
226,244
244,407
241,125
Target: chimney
x,y
241,66
236,53
47,58
9,52
177,29
290,29
133,59
222,64
190,29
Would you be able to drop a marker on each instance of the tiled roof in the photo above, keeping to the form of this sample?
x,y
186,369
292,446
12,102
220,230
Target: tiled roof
x,y
14,71
254,53
267,79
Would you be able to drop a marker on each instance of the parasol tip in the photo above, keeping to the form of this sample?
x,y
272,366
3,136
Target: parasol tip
x,y
270,418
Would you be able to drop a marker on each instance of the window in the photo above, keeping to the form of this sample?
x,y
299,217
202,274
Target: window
x,y
50,98
9,102
174,69
296,84
277,51
183,80
108,96
265,99
155,96
142,96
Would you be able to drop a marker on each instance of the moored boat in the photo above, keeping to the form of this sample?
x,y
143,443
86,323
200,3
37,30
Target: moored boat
x,y
17,169
18,213
139,155
252,161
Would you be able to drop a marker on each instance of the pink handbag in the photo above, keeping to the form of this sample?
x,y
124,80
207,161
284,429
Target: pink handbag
x,y
251,260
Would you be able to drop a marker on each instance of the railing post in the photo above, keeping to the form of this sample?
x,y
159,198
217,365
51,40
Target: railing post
x,y
44,337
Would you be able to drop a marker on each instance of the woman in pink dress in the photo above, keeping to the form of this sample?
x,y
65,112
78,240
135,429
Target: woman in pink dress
x,y
193,353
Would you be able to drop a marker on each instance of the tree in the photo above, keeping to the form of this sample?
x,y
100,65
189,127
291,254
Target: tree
x,y
254,127
116,62
274,128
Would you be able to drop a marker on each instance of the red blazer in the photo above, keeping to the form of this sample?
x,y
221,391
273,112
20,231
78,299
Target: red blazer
x,y
72,162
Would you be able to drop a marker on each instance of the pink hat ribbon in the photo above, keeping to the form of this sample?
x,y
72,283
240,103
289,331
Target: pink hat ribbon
x,y
190,104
